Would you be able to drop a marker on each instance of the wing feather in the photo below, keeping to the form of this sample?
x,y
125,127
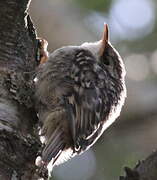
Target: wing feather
x,y
85,102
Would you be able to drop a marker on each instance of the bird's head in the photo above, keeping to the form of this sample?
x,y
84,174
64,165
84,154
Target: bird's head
x,y
106,55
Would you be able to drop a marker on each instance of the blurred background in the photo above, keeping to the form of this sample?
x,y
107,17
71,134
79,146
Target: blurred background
x,y
133,31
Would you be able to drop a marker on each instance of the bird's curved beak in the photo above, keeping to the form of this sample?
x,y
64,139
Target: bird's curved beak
x,y
104,40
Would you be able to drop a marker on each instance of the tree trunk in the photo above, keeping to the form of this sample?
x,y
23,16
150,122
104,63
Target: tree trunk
x,y
18,45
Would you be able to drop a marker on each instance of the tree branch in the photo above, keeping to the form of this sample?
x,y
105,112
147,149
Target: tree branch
x,y
144,170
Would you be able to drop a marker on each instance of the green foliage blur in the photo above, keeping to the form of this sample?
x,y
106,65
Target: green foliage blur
x,y
97,5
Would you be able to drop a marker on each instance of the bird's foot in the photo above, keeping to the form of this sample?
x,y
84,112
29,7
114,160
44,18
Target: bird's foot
x,y
42,53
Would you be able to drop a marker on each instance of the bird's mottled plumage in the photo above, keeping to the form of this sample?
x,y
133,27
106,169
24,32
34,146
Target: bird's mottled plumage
x,y
80,91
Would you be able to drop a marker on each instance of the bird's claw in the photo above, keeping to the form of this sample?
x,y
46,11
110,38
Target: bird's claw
x,y
42,53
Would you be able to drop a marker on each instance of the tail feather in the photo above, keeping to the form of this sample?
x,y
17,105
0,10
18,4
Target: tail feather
x,y
52,142
53,147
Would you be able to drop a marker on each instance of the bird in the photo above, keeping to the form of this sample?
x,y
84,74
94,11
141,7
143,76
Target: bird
x,y
79,91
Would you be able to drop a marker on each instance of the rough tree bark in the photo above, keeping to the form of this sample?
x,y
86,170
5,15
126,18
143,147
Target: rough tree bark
x,y
18,142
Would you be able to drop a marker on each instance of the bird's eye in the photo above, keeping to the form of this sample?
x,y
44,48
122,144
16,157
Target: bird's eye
x,y
106,61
